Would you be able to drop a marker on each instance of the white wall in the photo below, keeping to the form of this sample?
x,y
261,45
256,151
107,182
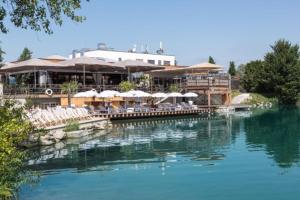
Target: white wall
x,y
115,55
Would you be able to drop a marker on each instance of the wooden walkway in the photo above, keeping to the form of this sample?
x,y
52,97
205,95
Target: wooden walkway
x,y
140,115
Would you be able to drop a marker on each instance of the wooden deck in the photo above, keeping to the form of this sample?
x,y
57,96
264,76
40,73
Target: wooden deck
x,y
151,114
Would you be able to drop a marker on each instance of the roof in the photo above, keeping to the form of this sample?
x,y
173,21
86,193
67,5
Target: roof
x,y
205,66
54,57
138,66
198,68
91,64
29,64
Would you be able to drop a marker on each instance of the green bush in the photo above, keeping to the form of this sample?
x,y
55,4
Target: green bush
x,y
72,125
174,88
126,86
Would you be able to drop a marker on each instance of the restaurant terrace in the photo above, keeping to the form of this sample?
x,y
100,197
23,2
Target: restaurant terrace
x,y
32,78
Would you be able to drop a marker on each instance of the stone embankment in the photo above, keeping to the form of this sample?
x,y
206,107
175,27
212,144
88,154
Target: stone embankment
x,y
53,135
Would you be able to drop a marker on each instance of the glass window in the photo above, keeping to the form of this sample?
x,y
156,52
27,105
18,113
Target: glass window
x,y
151,61
159,62
120,59
167,63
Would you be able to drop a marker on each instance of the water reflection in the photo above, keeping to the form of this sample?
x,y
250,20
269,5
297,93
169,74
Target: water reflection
x,y
138,142
161,141
278,132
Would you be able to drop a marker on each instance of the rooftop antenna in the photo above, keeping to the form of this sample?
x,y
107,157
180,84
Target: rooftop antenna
x,y
160,50
134,48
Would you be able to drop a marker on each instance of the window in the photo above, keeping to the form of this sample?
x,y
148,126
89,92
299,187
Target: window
x,y
159,62
120,59
151,61
140,60
167,63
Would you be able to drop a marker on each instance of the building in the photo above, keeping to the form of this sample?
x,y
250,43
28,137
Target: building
x,y
110,55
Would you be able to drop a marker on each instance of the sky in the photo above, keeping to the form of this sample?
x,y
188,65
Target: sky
x,y
192,30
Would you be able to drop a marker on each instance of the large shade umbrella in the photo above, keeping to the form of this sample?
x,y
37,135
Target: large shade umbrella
x,y
91,64
33,64
133,66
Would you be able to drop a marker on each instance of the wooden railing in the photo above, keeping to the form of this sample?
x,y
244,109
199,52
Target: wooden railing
x,y
191,82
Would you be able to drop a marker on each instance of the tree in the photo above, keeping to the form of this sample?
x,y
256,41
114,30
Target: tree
x,y
38,15
1,56
283,69
14,129
278,74
126,86
211,60
232,70
25,55
69,88
253,77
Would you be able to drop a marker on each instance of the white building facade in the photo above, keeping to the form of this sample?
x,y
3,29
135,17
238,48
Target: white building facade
x,y
110,55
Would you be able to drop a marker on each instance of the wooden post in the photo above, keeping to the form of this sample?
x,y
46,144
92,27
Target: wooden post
x,y
208,99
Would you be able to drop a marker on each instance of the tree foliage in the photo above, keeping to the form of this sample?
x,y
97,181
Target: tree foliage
x,y
14,129
126,86
232,70
278,74
211,60
25,55
1,56
38,15
174,88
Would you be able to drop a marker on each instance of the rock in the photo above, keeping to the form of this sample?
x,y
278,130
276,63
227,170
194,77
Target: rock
x,y
58,135
79,133
46,140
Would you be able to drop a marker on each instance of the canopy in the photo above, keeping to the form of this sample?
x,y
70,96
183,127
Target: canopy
x,y
138,66
108,94
206,66
54,57
190,94
31,64
159,95
203,68
91,64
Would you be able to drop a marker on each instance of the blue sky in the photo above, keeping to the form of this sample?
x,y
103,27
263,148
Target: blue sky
x,y
237,30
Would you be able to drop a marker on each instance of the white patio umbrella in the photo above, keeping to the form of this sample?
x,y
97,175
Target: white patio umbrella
x,y
175,95
108,94
190,94
159,95
90,93
139,93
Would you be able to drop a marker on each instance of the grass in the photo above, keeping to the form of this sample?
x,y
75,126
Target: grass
x,y
235,93
72,125
259,98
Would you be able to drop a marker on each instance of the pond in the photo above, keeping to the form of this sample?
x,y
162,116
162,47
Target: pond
x,y
252,157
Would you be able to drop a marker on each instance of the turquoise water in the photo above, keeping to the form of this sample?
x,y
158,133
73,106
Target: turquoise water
x,y
254,157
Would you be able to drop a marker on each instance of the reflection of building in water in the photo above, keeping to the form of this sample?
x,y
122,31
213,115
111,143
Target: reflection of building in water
x,y
143,142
